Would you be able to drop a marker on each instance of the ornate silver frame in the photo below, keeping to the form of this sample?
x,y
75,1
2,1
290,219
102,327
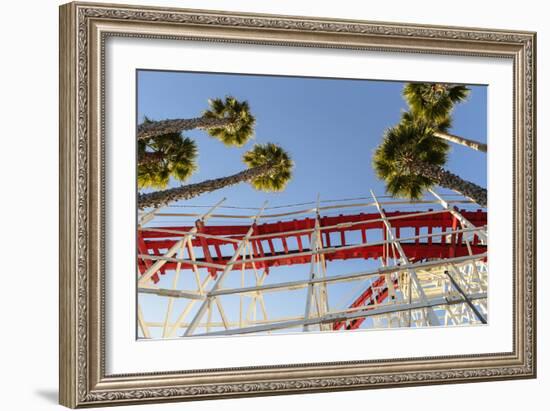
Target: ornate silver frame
x,y
84,28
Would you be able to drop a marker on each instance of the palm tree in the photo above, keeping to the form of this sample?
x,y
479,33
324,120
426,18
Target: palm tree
x,y
229,120
410,160
433,103
167,155
269,169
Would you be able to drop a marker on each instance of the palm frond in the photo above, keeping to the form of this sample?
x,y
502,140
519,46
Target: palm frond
x,y
434,102
178,160
240,128
410,140
281,172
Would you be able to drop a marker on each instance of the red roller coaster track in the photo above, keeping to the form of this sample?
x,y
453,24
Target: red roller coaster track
x,y
288,242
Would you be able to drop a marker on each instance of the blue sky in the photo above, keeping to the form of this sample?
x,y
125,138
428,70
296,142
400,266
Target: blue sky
x,y
330,127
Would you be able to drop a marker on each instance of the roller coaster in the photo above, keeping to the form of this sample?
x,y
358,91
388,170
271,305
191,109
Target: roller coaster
x,y
331,265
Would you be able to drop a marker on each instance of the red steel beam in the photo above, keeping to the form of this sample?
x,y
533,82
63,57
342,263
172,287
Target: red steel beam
x,y
433,247
414,252
367,298
477,218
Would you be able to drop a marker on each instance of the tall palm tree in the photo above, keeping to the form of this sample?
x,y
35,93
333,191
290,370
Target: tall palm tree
x,y
167,155
228,120
433,103
269,169
410,160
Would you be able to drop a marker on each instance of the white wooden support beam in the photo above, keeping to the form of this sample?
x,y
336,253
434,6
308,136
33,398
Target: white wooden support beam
x,y
186,310
142,324
432,317
336,317
465,223
174,249
219,281
479,316
311,289
294,285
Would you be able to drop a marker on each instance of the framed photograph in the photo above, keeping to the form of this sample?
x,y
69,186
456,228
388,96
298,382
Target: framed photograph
x,y
261,205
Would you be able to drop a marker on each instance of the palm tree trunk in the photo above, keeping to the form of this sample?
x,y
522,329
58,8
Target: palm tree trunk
x,y
446,179
186,192
156,128
475,145
149,157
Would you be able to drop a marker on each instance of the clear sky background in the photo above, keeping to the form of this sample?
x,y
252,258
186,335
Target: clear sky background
x,y
330,127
